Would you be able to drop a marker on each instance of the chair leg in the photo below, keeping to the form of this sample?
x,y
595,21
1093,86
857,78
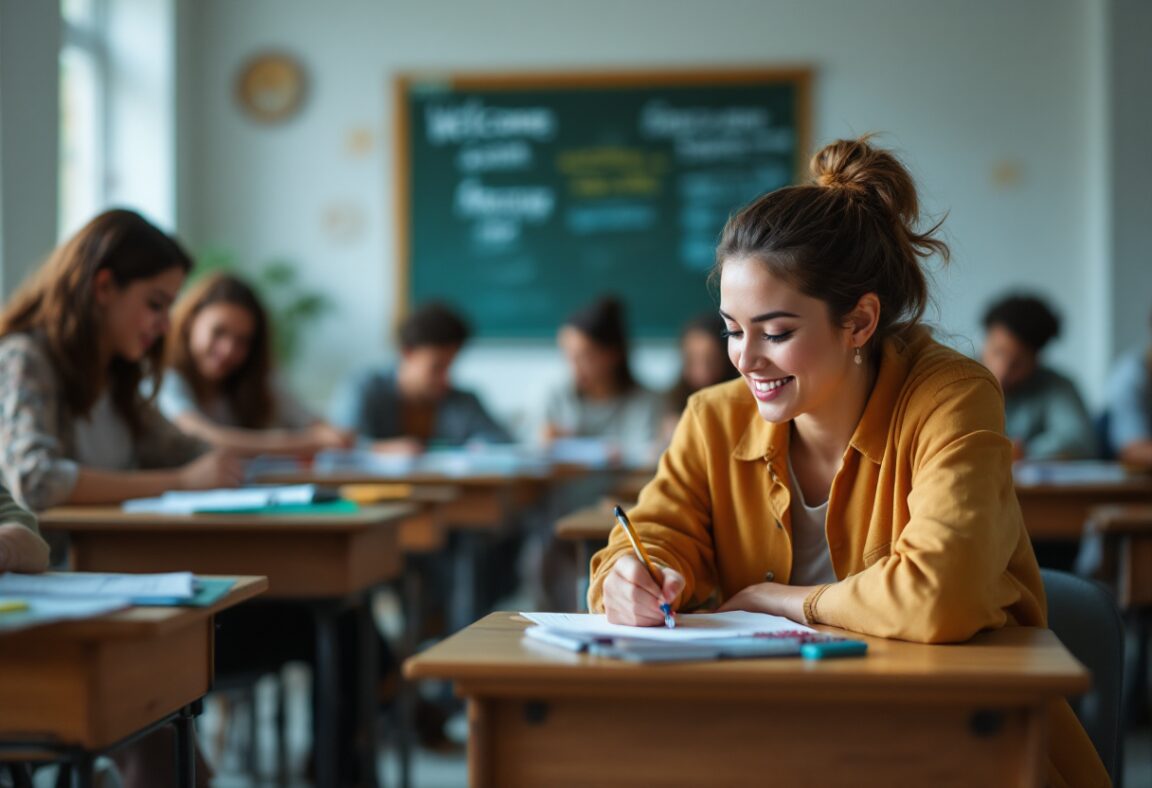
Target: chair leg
x,y
1136,670
21,777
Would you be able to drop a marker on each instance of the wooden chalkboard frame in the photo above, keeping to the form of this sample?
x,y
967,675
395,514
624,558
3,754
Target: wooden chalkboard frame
x,y
799,77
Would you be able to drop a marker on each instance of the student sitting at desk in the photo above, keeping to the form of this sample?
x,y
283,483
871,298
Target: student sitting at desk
x,y
602,399
1045,417
1130,407
21,547
220,384
704,362
76,341
403,409
858,475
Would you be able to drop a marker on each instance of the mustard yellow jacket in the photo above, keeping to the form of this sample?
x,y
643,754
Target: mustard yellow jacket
x,y
923,525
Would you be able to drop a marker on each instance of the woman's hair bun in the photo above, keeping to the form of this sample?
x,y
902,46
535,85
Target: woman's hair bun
x,y
857,167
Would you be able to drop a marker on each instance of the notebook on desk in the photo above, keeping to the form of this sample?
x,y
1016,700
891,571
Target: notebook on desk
x,y
702,636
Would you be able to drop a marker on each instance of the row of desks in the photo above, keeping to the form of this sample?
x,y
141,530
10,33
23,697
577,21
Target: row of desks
x,y
335,561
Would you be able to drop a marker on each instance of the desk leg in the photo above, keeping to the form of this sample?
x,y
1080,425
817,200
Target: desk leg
x,y
186,748
83,770
405,715
367,700
466,579
325,725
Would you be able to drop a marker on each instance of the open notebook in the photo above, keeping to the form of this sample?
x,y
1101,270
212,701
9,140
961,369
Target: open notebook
x,y
697,636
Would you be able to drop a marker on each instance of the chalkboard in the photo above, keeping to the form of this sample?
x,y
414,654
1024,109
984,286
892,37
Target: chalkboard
x,y
521,198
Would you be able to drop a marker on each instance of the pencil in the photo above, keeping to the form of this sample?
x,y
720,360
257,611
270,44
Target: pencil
x,y
642,554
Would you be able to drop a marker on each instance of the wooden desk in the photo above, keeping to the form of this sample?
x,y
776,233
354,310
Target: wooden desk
x,y
1058,512
589,529
1127,535
82,687
329,562
484,506
907,714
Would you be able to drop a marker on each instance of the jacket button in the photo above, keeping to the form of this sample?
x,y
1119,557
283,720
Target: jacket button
x,y
769,577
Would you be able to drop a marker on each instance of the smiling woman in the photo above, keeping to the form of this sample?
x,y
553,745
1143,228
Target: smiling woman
x,y
857,475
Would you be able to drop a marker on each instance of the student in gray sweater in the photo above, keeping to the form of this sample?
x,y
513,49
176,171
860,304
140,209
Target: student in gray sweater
x,y
1044,414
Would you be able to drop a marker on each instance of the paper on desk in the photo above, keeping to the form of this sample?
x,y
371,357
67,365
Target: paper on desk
x,y
49,609
1069,472
225,500
98,585
689,626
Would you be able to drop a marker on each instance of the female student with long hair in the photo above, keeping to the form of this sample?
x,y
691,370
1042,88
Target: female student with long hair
x,y
857,475
220,384
602,399
76,343
703,363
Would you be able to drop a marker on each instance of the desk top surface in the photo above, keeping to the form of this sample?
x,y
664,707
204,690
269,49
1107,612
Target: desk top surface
x,y
1023,661
135,622
113,518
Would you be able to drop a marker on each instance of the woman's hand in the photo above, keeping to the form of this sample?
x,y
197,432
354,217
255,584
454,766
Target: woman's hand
x,y
632,597
774,598
401,447
219,468
329,437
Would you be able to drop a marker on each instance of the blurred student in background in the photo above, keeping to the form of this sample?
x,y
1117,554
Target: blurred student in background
x,y
221,385
1130,407
1045,416
404,408
76,342
602,399
703,362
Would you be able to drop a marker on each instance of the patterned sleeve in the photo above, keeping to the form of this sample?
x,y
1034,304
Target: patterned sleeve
x,y
12,512
163,445
32,460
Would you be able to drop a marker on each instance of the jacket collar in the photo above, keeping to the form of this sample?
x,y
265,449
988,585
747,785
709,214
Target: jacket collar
x,y
766,441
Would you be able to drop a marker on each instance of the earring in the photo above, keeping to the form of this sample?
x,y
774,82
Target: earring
x,y
859,358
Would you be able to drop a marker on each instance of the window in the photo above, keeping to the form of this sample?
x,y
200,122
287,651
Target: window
x,y
83,114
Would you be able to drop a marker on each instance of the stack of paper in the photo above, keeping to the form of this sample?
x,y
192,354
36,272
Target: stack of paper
x,y
33,600
705,636
246,499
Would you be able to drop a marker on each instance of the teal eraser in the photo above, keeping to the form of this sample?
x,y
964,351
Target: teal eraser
x,y
835,648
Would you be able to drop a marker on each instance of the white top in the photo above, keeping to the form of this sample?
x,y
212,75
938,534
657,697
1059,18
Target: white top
x,y
811,561
176,398
633,418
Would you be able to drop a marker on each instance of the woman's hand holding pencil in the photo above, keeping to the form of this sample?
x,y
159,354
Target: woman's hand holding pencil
x,y
637,592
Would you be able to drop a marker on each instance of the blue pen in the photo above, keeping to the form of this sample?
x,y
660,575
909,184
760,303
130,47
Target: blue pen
x,y
642,554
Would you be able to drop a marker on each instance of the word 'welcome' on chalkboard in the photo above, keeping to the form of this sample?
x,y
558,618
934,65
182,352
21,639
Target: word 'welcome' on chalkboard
x,y
524,197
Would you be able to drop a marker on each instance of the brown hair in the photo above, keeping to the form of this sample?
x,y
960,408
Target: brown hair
x,y
604,322
248,389
57,302
712,325
850,232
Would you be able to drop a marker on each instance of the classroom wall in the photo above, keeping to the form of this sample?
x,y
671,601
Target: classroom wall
x,y
29,118
1130,165
992,105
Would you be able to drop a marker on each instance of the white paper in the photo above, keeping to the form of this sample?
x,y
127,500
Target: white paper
x,y
1069,473
98,585
689,626
224,500
48,609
